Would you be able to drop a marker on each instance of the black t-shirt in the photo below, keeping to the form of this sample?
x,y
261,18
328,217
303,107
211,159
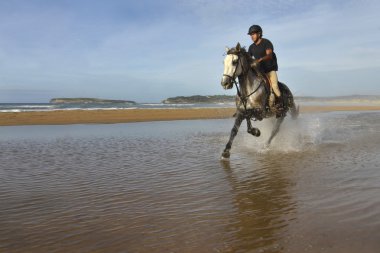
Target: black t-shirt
x,y
259,51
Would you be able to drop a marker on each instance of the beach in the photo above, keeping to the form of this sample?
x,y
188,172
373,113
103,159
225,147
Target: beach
x,y
62,117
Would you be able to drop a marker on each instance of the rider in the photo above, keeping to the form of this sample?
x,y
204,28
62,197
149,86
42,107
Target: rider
x,y
265,60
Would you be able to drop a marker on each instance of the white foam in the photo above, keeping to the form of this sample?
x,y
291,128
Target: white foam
x,y
67,109
294,136
12,110
35,106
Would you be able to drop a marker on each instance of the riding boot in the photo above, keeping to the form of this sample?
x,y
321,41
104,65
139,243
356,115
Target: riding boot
x,y
267,104
271,102
280,107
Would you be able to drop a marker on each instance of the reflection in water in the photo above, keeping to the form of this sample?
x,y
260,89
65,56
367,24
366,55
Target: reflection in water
x,y
263,202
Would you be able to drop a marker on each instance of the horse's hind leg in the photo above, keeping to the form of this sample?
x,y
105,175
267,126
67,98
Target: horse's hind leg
x,y
275,129
239,118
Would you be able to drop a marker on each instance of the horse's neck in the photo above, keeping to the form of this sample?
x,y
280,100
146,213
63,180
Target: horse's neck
x,y
247,82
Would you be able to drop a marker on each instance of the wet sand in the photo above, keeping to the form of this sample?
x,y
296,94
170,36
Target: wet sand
x,y
63,117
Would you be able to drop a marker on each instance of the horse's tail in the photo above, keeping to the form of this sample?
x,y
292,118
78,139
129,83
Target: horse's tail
x,y
294,109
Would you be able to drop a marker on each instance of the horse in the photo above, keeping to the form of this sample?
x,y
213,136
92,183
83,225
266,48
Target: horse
x,y
252,96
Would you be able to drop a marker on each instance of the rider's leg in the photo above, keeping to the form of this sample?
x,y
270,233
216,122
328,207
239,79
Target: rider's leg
x,y
272,76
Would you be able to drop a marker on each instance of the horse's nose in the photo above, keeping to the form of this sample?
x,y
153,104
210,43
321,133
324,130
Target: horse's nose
x,y
224,81
224,85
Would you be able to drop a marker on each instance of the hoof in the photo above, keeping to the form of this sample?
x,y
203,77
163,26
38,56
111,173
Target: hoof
x,y
225,154
255,132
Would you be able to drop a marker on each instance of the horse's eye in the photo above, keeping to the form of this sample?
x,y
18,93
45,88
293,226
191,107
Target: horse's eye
x,y
234,62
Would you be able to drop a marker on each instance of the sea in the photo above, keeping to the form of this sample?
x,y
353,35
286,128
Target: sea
x,y
27,107
162,187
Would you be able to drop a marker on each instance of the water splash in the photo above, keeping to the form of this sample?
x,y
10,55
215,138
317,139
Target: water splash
x,y
308,132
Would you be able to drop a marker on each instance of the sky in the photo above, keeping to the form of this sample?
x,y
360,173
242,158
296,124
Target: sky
x,y
148,50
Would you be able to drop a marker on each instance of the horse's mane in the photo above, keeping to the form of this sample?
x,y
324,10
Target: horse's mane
x,y
241,52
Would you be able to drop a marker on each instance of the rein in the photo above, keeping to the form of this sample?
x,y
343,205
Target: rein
x,y
233,77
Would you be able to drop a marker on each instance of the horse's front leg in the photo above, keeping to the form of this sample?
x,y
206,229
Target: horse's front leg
x,y
252,130
239,118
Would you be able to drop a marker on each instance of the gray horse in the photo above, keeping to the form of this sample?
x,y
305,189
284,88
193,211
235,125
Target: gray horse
x,y
252,95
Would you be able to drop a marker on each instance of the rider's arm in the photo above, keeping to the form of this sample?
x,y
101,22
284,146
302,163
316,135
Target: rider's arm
x,y
268,56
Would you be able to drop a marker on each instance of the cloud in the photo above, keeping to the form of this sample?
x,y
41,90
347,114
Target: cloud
x,y
176,47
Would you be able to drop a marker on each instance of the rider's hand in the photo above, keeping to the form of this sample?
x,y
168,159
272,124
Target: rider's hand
x,y
255,64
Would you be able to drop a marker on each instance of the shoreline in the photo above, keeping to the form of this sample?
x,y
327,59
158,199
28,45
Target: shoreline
x,y
65,117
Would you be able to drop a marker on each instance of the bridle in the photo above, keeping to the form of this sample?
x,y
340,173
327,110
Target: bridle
x,y
233,77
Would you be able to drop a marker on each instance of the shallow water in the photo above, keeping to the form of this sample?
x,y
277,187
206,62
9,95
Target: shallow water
x,y
161,187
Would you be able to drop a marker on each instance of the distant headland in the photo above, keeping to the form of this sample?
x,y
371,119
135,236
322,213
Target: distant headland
x,y
197,99
88,101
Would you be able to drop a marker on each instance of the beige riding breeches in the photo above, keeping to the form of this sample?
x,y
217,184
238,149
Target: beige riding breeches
x,y
272,76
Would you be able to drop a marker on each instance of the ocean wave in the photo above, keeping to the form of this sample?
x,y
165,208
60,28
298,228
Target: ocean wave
x,y
95,108
66,109
36,106
167,105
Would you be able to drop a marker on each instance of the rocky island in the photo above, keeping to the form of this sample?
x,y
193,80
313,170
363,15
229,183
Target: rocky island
x,y
88,101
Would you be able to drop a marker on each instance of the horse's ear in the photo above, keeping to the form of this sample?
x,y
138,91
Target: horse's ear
x,y
227,49
238,47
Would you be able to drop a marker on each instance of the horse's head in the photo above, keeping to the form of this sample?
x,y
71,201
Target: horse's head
x,y
233,65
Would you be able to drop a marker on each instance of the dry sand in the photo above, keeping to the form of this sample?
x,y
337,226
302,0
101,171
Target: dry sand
x,y
62,117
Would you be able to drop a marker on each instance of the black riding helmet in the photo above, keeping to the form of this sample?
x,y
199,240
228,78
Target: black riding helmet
x,y
255,29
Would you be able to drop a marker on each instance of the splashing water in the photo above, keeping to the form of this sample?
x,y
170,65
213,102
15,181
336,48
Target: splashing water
x,y
306,133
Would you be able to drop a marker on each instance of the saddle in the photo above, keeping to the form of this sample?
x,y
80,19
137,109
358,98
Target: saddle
x,y
279,103
264,77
